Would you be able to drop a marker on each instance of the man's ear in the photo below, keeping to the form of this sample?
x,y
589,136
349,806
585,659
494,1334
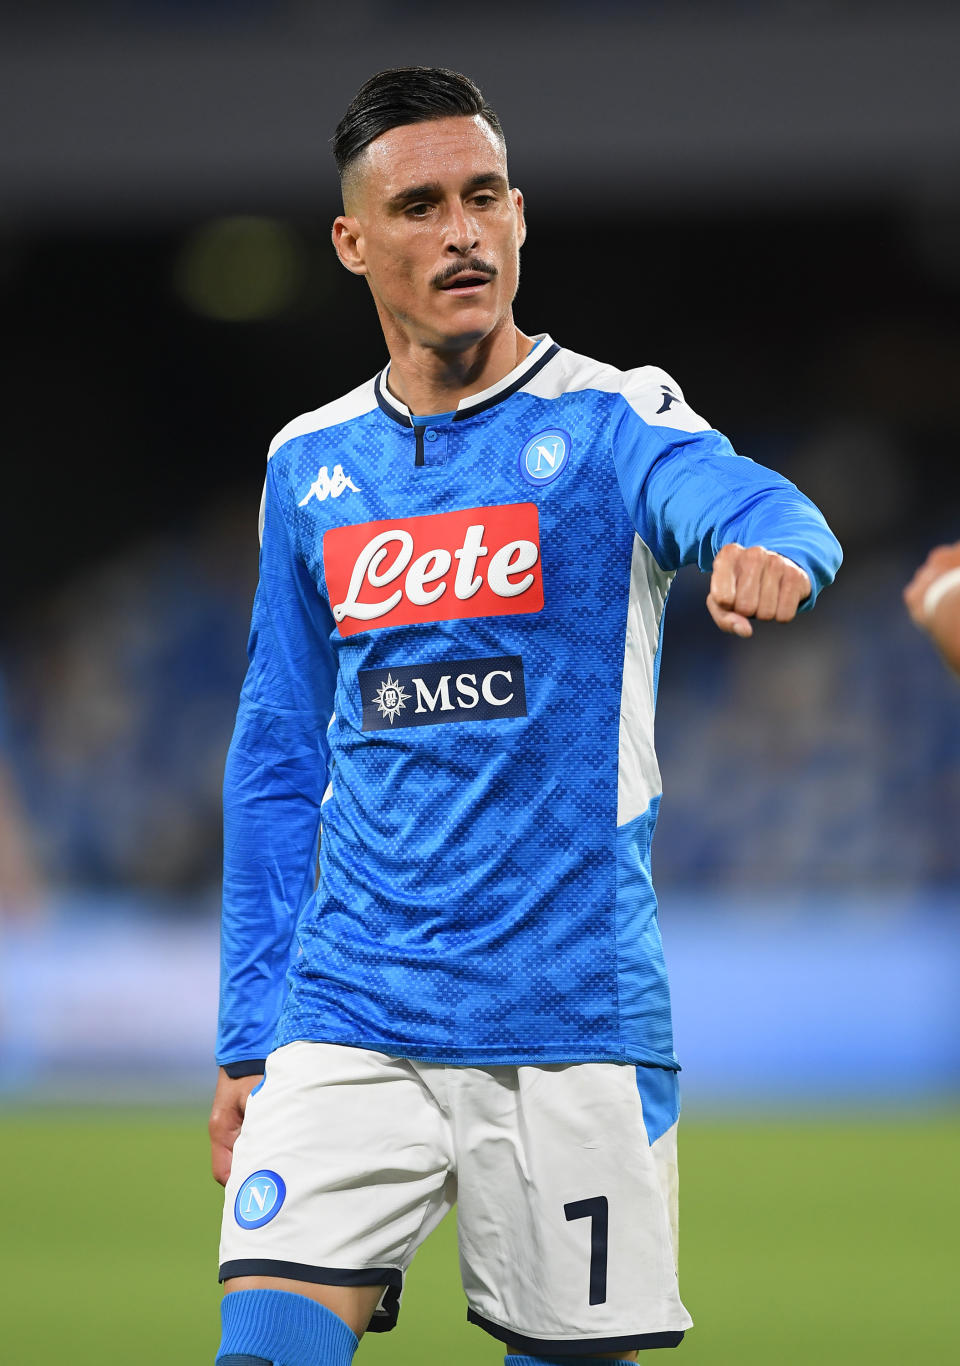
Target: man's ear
x,y
348,243
521,220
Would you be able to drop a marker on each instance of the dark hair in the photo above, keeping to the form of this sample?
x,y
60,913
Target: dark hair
x,y
406,94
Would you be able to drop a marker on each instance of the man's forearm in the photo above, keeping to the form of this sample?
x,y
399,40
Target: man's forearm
x,y
272,787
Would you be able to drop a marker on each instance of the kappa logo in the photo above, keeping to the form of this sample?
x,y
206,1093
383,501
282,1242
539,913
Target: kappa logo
x,y
544,456
478,562
448,690
669,397
259,1199
328,485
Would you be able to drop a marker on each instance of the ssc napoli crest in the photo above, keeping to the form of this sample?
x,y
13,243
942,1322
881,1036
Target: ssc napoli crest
x,y
259,1199
544,456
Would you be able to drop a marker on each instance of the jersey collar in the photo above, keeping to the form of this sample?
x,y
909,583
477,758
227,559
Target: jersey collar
x,y
543,351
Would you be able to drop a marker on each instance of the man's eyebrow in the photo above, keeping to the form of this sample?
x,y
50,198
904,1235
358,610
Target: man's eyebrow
x,y
432,189
487,178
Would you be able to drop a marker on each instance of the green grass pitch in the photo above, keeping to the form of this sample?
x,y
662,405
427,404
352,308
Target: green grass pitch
x,y
829,1241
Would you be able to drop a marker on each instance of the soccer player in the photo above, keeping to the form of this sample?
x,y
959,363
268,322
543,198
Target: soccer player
x,y
453,670
933,601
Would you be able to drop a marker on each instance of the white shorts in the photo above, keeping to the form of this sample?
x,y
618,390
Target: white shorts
x,y
565,1177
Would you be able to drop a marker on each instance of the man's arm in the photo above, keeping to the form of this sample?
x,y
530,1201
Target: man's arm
x,y
933,601
275,776
693,500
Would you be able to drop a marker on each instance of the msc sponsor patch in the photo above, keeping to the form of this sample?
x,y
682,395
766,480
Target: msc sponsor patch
x,y
475,562
451,690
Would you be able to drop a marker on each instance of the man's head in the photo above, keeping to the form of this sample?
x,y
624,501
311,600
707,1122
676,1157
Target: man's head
x,y
404,95
429,217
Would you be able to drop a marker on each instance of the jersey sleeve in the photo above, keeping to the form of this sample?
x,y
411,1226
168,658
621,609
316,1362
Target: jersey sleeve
x,y
275,777
688,492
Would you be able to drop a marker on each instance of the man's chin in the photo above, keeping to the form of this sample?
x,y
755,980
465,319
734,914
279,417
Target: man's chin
x,y
472,327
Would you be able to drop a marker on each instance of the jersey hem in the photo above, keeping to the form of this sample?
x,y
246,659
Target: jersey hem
x,y
494,1057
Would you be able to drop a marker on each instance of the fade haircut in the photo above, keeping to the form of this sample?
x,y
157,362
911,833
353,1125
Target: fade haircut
x,y
401,95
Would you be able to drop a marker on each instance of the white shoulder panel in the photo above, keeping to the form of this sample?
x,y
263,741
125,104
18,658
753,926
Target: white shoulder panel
x,y
638,771
359,401
658,399
570,373
651,393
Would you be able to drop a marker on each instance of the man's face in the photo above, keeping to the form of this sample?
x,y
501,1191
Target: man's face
x,y
431,221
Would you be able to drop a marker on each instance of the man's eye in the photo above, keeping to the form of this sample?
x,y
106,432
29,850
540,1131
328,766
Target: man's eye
x,y
418,210
483,200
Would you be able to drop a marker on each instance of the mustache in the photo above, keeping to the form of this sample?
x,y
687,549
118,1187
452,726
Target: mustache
x,y
474,265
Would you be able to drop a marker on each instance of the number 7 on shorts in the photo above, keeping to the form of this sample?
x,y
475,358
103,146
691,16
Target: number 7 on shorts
x,y
596,1210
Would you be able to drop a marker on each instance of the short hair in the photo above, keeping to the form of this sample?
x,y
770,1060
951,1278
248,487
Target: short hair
x,y
406,94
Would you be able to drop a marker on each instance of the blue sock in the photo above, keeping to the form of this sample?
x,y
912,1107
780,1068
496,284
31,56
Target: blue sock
x,y
282,1329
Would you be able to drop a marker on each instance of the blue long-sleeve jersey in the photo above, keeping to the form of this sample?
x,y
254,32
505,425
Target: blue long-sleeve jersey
x,y
453,671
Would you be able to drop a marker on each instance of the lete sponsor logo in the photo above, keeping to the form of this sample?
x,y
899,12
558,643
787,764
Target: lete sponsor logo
x,y
447,690
476,562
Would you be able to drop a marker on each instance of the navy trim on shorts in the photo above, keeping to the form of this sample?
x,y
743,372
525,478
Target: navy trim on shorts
x,y
318,1275
383,1319
633,1342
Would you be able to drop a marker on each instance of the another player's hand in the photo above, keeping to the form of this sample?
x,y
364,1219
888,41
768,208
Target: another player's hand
x,y
229,1103
749,581
940,559
933,601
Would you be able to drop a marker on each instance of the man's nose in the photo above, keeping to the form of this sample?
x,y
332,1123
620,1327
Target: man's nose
x,y
462,232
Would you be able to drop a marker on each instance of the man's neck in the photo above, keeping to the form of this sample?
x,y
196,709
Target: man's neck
x,y
428,380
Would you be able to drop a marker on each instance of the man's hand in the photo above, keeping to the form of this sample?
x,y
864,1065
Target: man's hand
x,y
229,1103
933,600
748,581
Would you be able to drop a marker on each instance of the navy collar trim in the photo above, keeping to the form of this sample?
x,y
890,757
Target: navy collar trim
x,y
479,403
387,403
469,408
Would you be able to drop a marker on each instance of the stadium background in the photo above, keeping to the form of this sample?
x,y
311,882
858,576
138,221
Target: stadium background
x,y
762,198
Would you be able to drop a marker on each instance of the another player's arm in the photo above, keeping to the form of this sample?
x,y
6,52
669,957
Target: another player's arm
x,y
693,500
273,785
933,601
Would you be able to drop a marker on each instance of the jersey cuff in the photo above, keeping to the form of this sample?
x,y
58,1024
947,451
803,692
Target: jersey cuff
x,y
252,1067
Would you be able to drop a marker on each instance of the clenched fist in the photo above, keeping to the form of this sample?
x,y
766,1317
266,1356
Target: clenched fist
x,y
748,581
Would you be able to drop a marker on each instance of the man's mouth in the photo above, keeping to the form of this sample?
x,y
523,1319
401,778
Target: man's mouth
x,y
465,281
